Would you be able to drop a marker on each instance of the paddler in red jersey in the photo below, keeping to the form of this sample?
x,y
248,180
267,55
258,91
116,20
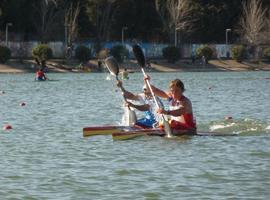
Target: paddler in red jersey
x,y
180,114
40,75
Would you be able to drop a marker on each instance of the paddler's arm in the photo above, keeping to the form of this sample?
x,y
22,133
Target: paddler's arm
x,y
45,77
144,107
175,113
127,94
156,91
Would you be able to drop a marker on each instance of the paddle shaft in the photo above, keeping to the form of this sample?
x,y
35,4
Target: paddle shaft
x,y
122,91
113,67
166,126
141,61
152,93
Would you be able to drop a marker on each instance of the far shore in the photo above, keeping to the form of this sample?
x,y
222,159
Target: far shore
x,y
184,65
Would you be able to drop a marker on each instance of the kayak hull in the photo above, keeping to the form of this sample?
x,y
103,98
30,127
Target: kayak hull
x,y
106,130
127,132
125,135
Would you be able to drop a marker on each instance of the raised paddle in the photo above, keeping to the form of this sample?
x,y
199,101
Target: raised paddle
x,y
141,61
113,68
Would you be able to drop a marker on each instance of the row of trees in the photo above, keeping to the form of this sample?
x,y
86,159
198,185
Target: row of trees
x,y
151,20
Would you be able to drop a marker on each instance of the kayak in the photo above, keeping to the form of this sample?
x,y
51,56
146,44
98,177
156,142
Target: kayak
x,y
36,80
128,132
106,130
125,135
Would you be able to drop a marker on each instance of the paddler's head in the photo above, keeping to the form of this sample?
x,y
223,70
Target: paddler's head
x,y
177,88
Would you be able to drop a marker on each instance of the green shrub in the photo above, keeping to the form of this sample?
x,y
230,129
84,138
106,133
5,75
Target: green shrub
x,y
171,53
119,52
83,53
238,53
266,53
5,54
205,51
42,52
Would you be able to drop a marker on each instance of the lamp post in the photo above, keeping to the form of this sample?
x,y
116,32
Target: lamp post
x,y
7,25
175,36
123,31
227,53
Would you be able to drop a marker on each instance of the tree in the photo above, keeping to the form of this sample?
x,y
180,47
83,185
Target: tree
x,y
100,13
267,34
252,21
71,21
140,17
175,15
46,12
212,18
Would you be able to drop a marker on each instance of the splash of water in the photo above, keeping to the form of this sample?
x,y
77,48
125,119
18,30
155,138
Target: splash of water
x,y
109,77
125,116
242,126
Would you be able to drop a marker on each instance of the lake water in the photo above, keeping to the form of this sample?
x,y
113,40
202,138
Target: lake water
x,y
45,155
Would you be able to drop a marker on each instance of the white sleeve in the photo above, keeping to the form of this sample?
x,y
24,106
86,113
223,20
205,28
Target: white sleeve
x,y
141,98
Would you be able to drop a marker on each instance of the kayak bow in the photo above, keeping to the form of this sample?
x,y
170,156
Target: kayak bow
x,y
108,130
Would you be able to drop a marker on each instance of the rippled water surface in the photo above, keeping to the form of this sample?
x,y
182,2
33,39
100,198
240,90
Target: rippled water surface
x,y
45,155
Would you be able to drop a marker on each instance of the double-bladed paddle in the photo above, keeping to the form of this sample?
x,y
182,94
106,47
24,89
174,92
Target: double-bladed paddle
x,y
141,61
113,67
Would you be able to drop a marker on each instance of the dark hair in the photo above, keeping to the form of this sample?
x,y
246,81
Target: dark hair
x,y
178,83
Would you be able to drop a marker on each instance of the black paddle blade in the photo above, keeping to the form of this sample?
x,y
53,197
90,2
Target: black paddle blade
x,y
138,53
112,65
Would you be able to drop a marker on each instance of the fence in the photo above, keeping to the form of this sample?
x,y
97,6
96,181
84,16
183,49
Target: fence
x,y
151,50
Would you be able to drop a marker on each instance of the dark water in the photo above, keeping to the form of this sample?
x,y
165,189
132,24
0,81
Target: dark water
x,y
45,156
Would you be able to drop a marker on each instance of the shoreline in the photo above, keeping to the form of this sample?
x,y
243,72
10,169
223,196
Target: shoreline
x,y
184,65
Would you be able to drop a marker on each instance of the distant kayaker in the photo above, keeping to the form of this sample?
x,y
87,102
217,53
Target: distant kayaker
x,y
147,105
125,74
180,112
40,75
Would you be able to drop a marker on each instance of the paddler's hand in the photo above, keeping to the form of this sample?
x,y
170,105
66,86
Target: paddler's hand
x,y
162,111
146,77
119,84
129,104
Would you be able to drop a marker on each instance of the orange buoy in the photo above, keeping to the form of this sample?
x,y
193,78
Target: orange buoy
x,y
7,127
228,117
22,104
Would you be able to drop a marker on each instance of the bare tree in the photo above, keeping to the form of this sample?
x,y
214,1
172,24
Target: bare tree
x,y
163,13
267,35
71,22
175,15
101,13
252,21
46,11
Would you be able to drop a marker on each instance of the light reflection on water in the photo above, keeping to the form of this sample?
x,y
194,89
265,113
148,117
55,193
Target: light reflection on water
x,y
45,156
